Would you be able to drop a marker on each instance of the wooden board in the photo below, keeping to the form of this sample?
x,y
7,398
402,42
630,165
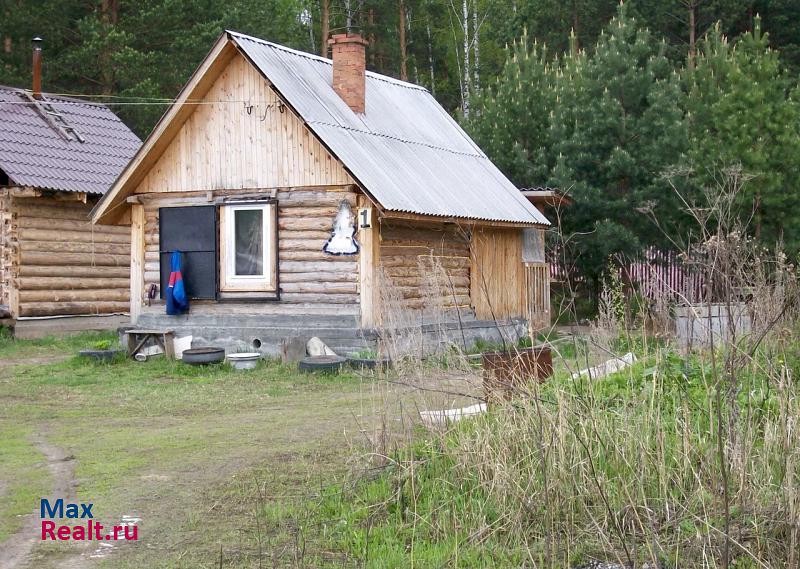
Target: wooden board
x,y
498,286
369,270
241,139
137,261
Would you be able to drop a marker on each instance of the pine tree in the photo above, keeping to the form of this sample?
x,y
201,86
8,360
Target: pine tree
x,y
616,127
741,113
512,116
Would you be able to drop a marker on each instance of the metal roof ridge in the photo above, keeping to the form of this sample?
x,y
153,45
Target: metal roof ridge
x,y
319,58
53,98
471,217
403,140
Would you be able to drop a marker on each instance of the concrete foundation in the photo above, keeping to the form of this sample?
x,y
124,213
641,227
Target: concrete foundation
x,y
63,325
269,334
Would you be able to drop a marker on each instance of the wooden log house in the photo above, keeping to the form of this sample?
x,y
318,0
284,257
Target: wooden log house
x,y
57,157
300,190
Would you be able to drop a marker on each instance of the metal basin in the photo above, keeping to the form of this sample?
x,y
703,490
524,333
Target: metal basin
x,y
247,360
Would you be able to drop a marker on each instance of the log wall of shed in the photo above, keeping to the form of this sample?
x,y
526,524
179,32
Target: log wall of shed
x,y
55,262
425,264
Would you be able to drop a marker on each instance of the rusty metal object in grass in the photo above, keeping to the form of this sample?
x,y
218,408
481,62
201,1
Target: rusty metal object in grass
x,y
509,373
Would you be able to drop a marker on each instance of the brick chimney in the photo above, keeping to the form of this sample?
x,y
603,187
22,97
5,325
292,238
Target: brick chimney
x,y
36,86
349,66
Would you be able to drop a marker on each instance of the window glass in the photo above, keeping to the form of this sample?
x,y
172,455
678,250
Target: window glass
x,y
247,248
532,245
249,242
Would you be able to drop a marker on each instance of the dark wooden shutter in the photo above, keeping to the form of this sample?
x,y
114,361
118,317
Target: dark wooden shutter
x,y
193,231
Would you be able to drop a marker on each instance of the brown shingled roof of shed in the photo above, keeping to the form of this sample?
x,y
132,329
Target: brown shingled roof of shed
x,y
83,153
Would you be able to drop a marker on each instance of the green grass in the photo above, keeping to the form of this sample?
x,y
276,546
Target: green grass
x,y
24,481
51,345
404,518
525,481
260,464
185,448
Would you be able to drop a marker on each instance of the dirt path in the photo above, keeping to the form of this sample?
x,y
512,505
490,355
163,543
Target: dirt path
x,y
16,551
36,360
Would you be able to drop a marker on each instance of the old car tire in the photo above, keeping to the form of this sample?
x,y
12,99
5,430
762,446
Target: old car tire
x,y
326,364
201,356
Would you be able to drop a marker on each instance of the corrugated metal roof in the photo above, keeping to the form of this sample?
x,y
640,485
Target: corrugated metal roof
x,y
34,153
406,150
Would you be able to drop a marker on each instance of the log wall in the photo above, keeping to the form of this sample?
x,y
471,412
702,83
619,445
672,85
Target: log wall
x,y
8,248
426,264
310,280
239,138
60,264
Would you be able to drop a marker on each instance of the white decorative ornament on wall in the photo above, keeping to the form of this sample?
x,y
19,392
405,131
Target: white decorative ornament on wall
x,y
342,240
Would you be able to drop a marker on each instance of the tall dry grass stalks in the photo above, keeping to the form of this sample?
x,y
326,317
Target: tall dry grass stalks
x,y
687,459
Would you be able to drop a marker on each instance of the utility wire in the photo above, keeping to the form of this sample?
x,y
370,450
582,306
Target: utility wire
x,y
141,103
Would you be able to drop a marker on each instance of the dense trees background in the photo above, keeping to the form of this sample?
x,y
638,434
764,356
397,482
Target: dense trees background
x,y
147,48
636,134
586,95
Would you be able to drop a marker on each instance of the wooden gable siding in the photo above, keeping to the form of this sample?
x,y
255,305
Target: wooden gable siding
x,y
53,261
223,146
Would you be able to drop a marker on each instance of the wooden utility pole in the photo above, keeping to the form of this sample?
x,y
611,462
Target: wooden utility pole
x,y
403,53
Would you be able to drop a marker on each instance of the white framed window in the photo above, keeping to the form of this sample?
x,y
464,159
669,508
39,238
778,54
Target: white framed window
x,y
247,247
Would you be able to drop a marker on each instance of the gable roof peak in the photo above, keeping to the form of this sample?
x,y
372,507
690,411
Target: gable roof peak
x,y
314,57
405,152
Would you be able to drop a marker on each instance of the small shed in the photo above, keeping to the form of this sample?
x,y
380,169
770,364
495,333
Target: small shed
x,y
58,155
301,190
